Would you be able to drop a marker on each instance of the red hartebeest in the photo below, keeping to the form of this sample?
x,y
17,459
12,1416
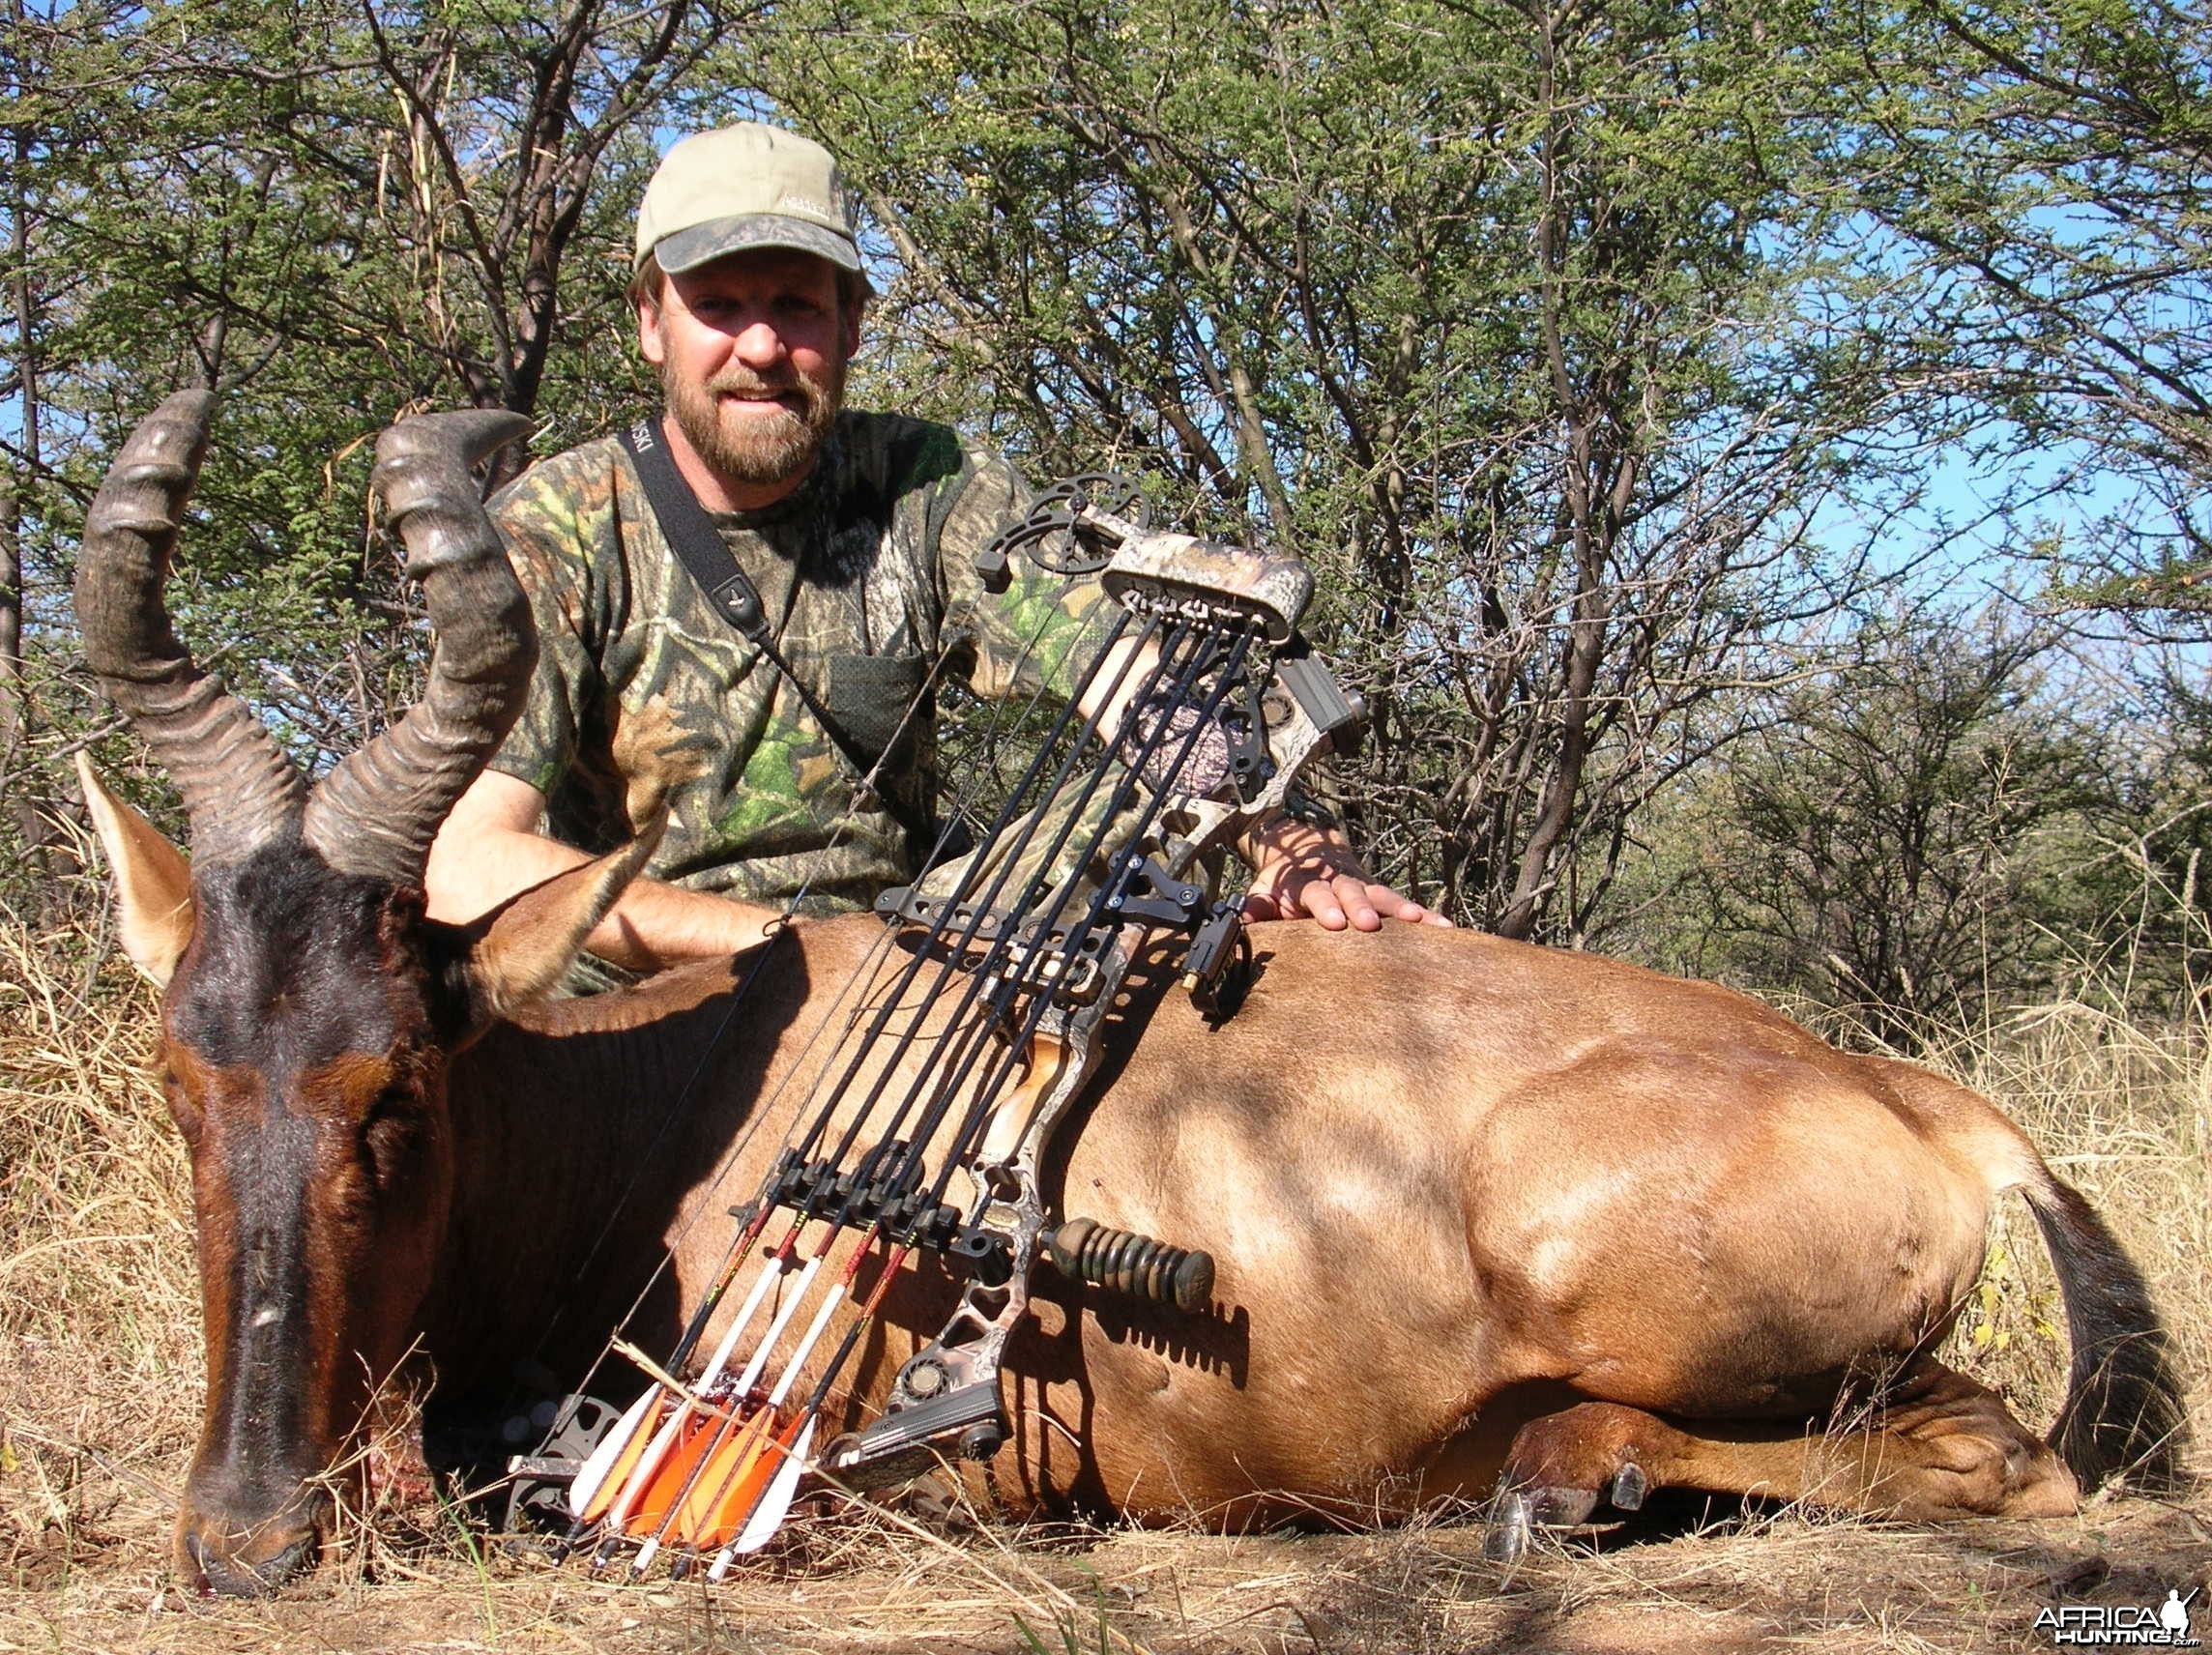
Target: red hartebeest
x,y
1544,1217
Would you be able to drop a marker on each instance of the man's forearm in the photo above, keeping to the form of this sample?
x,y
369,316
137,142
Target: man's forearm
x,y
1106,693
653,926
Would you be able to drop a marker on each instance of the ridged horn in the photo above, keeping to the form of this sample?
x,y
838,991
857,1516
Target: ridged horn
x,y
240,788
378,811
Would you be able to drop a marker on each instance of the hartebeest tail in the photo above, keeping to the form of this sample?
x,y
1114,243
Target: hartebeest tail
x,y
2123,1412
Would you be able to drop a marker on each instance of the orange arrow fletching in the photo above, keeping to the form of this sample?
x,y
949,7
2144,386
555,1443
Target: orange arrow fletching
x,y
769,1458
641,1458
652,1507
725,1472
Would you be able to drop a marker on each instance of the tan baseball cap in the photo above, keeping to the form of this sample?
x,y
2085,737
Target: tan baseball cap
x,y
741,187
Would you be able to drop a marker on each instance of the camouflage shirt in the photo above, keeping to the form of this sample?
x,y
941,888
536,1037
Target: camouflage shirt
x,y
867,573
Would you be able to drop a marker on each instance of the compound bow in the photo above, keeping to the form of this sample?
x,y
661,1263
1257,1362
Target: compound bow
x,y
1214,706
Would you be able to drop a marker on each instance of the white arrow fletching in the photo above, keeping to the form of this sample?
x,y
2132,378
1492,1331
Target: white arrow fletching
x,y
768,1516
603,1458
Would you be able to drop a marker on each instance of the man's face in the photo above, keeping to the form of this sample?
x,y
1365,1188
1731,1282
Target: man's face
x,y
751,350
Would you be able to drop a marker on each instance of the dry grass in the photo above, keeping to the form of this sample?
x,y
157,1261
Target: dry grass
x,y
2120,1110
99,1378
99,1360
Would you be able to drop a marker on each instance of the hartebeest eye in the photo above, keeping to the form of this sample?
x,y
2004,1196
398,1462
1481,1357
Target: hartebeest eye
x,y
181,1108
392,1131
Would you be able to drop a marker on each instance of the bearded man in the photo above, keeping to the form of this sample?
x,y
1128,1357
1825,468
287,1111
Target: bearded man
x,y
796,751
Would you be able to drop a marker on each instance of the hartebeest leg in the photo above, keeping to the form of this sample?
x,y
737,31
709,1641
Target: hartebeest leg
x,y
1937,1446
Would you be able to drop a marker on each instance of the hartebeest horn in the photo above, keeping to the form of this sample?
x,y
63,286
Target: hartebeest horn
x,y
240,789
378,811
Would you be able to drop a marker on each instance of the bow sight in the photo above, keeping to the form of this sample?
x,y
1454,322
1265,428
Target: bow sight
x,y
927,1125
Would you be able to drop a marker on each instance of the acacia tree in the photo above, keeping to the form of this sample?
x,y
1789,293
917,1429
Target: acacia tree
x,y
403,184
1908,836
2042,172
2046,168
1505,317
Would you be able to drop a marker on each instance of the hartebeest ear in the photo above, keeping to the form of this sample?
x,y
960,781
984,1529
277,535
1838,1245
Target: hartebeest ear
x,y
153,881
516,953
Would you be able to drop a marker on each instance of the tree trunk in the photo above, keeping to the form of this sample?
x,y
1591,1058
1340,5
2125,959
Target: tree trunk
x,y
29,799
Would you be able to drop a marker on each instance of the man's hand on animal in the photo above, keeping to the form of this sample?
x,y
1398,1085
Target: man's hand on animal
x,y
1303,870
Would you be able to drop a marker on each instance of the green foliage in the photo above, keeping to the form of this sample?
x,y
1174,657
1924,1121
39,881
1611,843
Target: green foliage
x,y
2151,911
1912,837
335,214
1579,351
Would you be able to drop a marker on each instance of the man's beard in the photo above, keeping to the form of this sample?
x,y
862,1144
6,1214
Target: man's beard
x,y
751,447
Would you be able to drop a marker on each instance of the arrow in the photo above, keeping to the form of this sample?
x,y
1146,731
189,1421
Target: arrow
x,y
764,1522
769,1516
758,1504
614,1456
620,1447
744,1469
697,1432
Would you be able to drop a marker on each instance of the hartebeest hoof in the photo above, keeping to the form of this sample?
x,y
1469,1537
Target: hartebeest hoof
x,y
1572,1458
1517,1512
1562,1467
1629,1486
1507,1541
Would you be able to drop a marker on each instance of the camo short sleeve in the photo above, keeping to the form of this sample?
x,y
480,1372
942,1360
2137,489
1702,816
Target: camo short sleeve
x,y
562,522
867,573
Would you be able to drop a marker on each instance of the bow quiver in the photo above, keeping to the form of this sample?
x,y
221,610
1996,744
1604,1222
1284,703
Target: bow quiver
x,y
1236,765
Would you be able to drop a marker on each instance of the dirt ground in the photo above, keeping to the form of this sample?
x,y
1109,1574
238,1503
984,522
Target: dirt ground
x,y
1687,1581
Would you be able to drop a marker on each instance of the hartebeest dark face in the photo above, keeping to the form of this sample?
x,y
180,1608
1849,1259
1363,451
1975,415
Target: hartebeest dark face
x,y
309,1008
